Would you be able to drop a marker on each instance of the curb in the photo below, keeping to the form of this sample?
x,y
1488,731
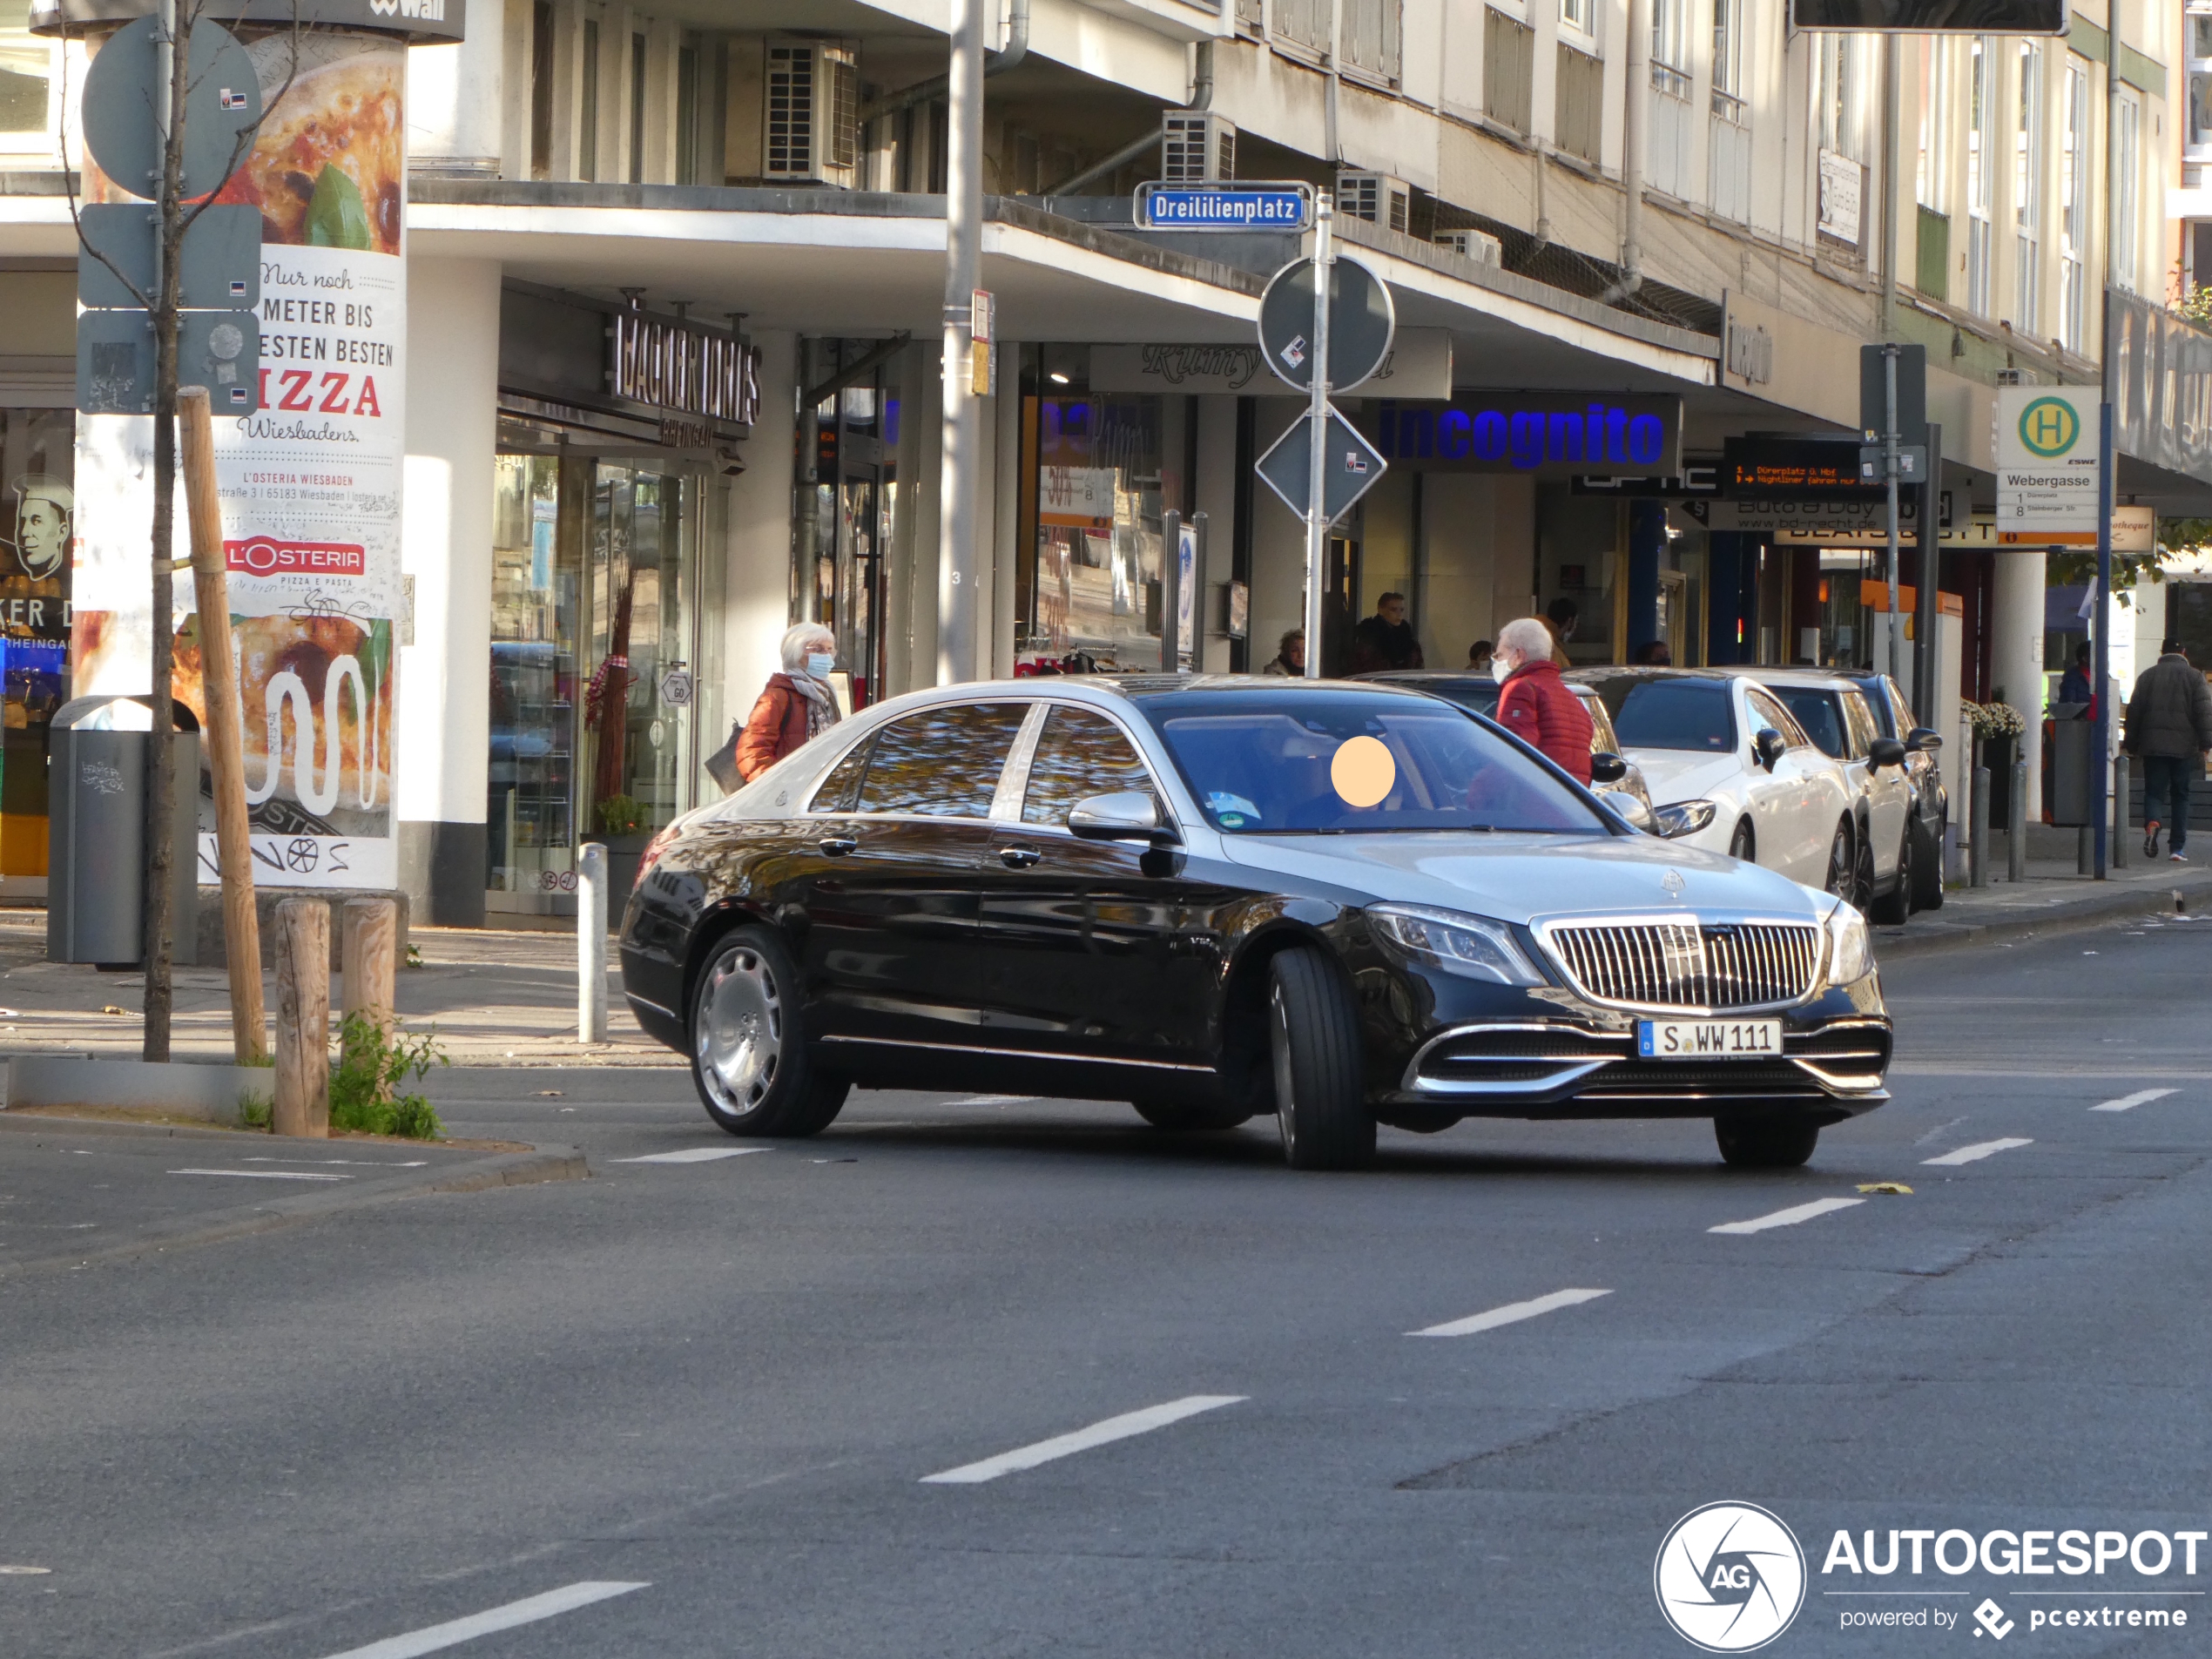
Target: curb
x,y
539,1164
2065,916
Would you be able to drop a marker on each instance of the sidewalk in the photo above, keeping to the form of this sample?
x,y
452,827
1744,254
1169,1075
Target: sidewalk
x,y
2052,897
495,998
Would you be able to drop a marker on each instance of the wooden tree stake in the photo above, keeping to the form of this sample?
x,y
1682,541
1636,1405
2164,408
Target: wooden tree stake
x,y
303,1018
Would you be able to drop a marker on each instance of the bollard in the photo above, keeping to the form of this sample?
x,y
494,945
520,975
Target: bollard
x,y
2016,837
1977,847
591,943
303,1018
2119,842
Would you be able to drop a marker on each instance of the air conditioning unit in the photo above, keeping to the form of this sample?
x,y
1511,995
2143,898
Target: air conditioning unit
x,y
1478,246
1375,197
810,112
1196,148
2016,377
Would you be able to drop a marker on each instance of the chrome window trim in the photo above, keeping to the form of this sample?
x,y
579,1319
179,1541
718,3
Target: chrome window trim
x,y
921,818
1013,776
1136,742
1543,927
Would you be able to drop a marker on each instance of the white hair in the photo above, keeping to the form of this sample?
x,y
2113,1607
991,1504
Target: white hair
x,y
1528,636
799,640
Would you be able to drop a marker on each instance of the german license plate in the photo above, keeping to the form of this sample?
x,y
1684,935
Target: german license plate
x,y
1709,1039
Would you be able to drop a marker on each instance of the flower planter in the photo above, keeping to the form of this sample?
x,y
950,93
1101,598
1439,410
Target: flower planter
x,y
624,853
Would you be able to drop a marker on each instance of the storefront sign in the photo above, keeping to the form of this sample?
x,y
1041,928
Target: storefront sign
x,y
1842,183
676,366
2047,480
310,484
1549,435
2159,377
1419,366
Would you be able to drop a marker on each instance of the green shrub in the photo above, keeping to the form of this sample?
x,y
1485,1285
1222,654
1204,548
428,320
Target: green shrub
x,y
621,815
254,1111
372,1062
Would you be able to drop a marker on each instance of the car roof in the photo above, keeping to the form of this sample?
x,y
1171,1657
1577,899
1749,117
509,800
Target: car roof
x,y
1104,690
1590,671
1809,678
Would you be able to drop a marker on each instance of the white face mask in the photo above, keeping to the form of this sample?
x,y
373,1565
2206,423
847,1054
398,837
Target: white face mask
x,y
819,663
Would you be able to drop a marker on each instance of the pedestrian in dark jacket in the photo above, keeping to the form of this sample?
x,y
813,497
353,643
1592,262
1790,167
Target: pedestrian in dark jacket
x,y
2170,728
1534,703
1386,639
796,706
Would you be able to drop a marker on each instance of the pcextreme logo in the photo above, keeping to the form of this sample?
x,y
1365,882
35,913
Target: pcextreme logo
x,y
2048,427
1729,1577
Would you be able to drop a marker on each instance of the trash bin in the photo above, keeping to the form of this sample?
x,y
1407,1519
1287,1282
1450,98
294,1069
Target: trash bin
x,y
96,860
2072,778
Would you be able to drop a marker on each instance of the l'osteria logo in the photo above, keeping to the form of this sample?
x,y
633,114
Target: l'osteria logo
x,y
2048,427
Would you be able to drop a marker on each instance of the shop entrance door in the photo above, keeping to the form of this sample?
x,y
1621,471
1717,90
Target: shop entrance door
x,y
852,485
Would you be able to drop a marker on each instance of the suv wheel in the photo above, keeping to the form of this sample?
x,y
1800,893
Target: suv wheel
x,y
1764,1142
748,1054
1313,1039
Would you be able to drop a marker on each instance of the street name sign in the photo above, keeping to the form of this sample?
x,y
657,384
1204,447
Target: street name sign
x,y
1351,466
2046,465
1163,206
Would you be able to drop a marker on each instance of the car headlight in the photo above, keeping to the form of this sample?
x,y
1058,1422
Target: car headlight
x,y
1468,946
1850,949
1684,818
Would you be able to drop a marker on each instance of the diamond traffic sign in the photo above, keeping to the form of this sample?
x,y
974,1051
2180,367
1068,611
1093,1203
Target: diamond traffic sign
x,y
1351,466
1361,323
218,269
221,106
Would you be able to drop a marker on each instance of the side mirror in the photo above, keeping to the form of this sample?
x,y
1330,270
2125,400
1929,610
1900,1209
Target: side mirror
x,y
1923,739
1126,815
1885,752
1607,768
1768,746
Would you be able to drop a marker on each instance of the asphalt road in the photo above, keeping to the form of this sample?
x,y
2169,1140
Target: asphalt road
x,y
692,1407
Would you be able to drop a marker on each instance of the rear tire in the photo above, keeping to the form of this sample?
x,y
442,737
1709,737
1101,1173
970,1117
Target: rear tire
x,y
1893,909
1764,1142
1313,1039
1928,867
1191,1120
749,1059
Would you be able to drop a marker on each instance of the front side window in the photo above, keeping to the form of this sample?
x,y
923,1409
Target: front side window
x,y
1356,765
1767,712
942,762
1863,730
1080,754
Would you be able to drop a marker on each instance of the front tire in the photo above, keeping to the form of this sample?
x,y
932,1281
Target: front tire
x,y
1744,844
749,1058
1764,1142
1842,877
1896,907
1313,1039
1191,1120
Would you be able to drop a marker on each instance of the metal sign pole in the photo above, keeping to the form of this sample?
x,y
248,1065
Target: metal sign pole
x,y
2101,733
1317,515
1889,472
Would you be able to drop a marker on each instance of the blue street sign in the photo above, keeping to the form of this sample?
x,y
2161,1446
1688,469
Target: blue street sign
x,y
1224,208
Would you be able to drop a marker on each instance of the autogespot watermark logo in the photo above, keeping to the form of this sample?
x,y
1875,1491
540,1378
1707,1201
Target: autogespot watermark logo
x,y
1729,1577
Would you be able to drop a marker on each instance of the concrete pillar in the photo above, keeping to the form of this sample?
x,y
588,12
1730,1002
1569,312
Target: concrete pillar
x,y
444,720
455,103
1456,605
1216,495
911,602
757,598
1646,550
1278,546
2016,663
1004,413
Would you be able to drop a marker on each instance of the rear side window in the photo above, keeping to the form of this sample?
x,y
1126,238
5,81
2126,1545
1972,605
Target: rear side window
x,y
942,762
1079,754
842,787
1675,714
1817,713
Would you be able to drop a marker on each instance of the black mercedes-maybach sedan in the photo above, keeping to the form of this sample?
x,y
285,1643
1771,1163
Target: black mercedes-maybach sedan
x,y
1344,904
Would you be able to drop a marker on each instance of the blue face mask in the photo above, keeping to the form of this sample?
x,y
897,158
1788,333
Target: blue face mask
x,y
819,663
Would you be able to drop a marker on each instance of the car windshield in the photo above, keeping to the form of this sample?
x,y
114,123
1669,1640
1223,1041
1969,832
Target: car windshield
x,y
1669,713
1470,692
1357,765
1821,714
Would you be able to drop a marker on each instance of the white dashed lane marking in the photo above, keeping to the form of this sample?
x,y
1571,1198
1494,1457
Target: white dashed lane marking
x,y
1114,1428
694,1155
2129,1103
1511,1313
1789,1218
1978,1151
267,1175
451,1633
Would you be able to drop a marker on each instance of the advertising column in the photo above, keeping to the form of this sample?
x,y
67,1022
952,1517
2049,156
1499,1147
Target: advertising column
x,y
310,481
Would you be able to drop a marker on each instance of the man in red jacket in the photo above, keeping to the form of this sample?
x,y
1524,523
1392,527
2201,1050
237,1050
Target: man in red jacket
x,y
1536,704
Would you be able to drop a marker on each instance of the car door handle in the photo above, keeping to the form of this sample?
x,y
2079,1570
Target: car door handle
x,y
837,845
1019,858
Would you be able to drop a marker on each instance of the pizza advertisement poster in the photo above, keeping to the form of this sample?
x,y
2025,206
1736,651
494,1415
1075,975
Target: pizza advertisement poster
x,y
310,483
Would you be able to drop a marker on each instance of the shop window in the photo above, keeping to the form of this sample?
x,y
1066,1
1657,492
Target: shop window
x,y
37,512
26,81
529,819
1097,553
637,716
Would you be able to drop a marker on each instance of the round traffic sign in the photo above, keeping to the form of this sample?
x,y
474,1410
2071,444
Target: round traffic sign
x,y
223,101
1361,323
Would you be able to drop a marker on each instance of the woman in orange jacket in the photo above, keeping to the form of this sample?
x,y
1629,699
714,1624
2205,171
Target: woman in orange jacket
x,y
796,706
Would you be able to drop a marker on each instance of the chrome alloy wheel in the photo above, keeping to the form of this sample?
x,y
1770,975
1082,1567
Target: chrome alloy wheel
x,y
740,1029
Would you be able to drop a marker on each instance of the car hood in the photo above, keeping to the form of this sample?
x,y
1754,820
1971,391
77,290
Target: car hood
x,y
1684,775
1518,878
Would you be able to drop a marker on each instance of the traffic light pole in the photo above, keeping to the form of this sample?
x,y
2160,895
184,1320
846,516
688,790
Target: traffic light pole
x,y
1889,472
1317,512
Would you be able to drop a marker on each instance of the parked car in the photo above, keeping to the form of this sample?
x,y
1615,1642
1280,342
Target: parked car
x,y
1481,692
1923,773
1341,904
1837,716
1730,770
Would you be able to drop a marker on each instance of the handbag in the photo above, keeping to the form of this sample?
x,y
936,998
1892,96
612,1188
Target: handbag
x,y
722,765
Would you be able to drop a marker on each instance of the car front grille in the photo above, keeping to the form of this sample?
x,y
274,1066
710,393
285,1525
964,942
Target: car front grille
x,y
1689,965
